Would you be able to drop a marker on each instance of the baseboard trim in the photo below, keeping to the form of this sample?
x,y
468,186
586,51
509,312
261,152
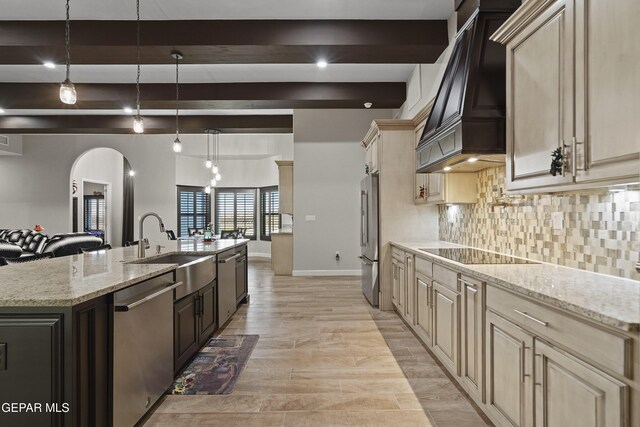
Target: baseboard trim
x,y
259,255
327,273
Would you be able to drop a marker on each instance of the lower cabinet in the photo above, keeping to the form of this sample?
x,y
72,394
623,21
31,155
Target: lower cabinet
x,y
409,289
571,392
471,333
241,279
446,306
194,320
508,380
395,285
424,307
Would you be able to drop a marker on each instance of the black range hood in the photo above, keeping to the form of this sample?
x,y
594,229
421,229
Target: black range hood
x,y
467,120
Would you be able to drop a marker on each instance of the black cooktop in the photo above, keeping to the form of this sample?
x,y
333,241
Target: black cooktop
x,y
476,256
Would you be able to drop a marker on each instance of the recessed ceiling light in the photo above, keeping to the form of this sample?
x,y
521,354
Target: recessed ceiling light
x,y
128,110
322,63
368,105
132,173
1,111
447,168
49,64
472,159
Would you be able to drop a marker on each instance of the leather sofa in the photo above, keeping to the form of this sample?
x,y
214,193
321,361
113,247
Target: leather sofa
x,y
35,245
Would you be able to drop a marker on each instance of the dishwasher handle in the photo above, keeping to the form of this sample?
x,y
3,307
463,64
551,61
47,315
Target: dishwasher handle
x,y
231,258
131,306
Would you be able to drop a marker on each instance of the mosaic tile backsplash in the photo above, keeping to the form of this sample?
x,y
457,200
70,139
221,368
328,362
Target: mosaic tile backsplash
x,y
600,231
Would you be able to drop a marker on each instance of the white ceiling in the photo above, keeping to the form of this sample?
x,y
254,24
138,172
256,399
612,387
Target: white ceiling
x,y
210,73
229,9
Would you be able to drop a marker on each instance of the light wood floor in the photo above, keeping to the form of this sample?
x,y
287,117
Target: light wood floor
x,y
324,358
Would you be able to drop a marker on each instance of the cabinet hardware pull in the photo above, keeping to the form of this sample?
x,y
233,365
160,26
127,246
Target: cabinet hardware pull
x,y
564,157
201,305
574,149
528,316
147,298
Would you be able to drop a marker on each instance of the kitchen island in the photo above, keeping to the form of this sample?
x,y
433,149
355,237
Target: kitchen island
x,y
67,329
528,341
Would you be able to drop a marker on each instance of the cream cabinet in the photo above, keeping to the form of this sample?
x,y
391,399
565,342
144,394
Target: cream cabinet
x,y
282,253
285,186
572,68
371,156
471,334
522,362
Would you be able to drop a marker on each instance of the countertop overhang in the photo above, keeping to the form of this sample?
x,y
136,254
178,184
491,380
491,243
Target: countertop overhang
x,y
610,300
72,280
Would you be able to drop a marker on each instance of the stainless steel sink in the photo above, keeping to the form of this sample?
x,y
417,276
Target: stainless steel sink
x,y
194,271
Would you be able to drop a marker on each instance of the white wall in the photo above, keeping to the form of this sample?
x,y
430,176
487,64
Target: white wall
x,y
104,166
327,169
14,147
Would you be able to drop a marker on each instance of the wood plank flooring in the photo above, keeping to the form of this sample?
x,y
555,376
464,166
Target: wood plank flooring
x,y
324,358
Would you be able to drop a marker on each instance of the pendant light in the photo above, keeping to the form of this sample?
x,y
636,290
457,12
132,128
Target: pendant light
x,y
177,145
138,124
208,163
216,154
67,89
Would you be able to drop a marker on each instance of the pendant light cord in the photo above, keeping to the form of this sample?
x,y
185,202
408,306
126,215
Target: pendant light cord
x,y
67,41
208,144
177,97
138,58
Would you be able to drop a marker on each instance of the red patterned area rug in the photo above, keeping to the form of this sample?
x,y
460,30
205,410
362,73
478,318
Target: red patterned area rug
x,y
216,368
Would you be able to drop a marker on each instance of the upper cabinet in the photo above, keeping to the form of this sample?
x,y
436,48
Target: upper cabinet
x,y
572,68
285,186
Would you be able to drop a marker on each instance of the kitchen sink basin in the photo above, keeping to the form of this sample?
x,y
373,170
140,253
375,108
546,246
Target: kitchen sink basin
x,y
194,271
179,259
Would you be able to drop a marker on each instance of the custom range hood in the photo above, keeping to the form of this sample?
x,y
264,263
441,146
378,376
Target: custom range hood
x,y
465,130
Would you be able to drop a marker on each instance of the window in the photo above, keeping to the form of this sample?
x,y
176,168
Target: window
x,y
235,209
269,211
94,213
194,209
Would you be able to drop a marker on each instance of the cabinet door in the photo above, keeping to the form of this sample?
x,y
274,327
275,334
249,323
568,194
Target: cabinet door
x,y
508,372
185,329
207,315
241,279
446,306
572,393
409,289
395,289
540,98
608,92
472,333
435,188
373,148
402,291
285,188
424,318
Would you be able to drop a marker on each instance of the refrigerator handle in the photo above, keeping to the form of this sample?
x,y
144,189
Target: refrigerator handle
x,y
364,219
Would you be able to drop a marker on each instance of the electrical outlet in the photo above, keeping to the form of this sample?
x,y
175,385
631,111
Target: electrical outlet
x,y
337,255
309,217
557,220
3,356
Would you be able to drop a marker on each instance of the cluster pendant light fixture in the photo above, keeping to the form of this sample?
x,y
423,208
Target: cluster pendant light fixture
x,y
138,124
215,170
177,145
67,89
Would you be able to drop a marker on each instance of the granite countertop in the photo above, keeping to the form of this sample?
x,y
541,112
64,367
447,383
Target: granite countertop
x,y
71,280
609,300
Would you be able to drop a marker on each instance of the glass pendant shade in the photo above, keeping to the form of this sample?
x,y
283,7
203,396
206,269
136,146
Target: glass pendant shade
x,y
177,146
207,164
138,125
68,92
218,177
213,182
215,169
207,189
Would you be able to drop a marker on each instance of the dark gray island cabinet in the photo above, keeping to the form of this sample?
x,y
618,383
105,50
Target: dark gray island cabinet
x,y
56,362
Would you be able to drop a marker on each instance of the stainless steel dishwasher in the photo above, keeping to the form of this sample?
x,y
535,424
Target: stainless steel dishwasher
x,y
142,347
227,285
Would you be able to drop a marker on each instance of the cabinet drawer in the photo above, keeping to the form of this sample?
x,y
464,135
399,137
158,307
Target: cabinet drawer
x,y
446,277
588,341
424,267
397,254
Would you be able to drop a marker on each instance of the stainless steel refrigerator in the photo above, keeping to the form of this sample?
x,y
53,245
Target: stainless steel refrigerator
x,y
369,238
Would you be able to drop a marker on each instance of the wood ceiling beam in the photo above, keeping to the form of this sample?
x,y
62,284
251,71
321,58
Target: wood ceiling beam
x,y
227,41
94,124
207,95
